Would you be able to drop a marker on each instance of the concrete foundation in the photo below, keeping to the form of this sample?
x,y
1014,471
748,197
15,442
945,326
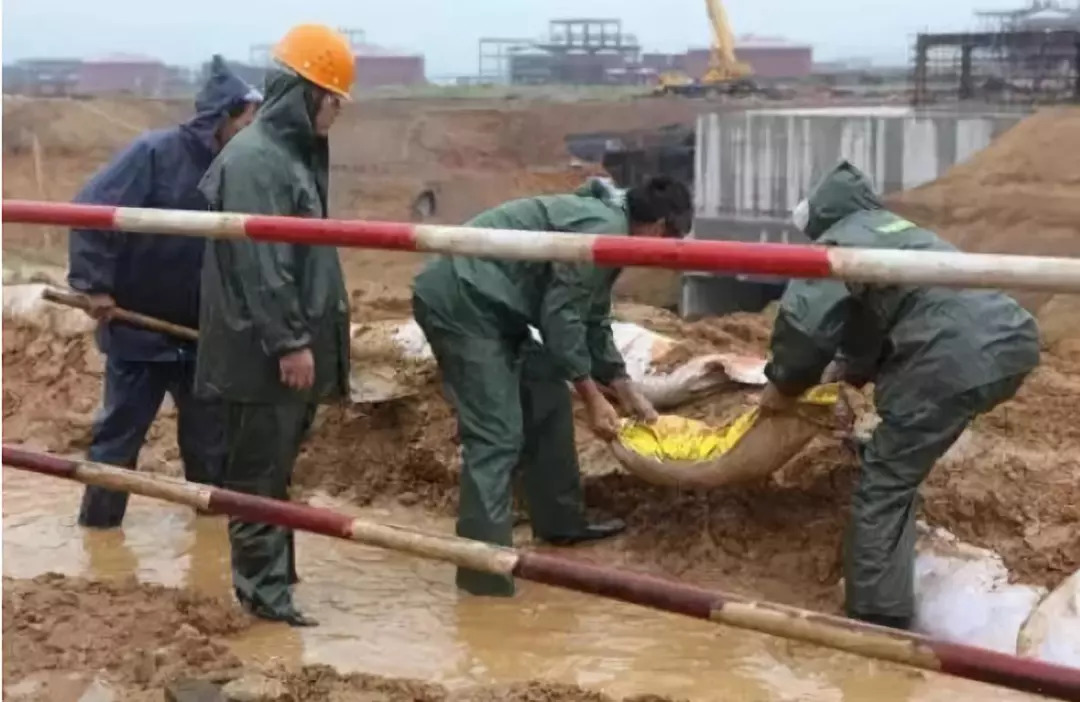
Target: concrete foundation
x,y
753,167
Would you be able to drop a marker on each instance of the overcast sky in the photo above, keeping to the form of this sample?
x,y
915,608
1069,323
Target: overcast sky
x,y
446,31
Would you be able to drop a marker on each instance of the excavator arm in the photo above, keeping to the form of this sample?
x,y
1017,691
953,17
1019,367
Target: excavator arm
x,y
725,74
723,66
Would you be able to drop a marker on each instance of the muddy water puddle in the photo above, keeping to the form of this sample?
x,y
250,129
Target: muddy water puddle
x,y
392,615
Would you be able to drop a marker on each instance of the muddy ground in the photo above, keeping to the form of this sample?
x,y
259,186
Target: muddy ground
x,y
54,628
1010,484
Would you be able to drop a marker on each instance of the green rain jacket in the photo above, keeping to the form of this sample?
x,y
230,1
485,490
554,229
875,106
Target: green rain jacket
x,y
919,344
569,303
263,300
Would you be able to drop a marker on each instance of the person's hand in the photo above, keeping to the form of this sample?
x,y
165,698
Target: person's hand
x,y
602,418
298,369
100,306
633,402
843,417
775,402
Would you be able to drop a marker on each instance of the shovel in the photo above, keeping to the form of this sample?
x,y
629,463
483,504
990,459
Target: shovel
x,y
364,387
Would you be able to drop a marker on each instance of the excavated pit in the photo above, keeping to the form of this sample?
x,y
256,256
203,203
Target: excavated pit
x,y
1010,484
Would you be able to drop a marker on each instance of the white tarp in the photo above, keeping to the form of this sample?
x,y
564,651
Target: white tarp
x,y
1052,632
963,595
640,348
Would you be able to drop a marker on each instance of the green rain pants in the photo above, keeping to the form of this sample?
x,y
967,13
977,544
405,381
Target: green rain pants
x,y
879,559
514,411
263,442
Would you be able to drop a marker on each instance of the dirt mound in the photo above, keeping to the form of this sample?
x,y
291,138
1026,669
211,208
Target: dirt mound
x,y
318,683
1017,196
141,634
134,639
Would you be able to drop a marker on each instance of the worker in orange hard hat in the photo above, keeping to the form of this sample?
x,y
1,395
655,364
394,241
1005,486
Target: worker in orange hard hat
x,y
274,322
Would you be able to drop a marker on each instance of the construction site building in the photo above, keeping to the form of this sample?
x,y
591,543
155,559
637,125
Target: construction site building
x,y
123,74
769,57
579,51
45,77
1025,56
376,66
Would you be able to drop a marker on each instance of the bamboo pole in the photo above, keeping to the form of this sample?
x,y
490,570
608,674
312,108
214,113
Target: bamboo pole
x,y
887,266
862,639
79,301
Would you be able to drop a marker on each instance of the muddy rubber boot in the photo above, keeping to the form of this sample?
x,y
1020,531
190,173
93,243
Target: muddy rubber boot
x,y
901,623
295,618
477,582
102,508
593,532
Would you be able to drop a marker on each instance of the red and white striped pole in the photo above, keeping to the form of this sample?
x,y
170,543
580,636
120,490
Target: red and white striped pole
x,y
891,266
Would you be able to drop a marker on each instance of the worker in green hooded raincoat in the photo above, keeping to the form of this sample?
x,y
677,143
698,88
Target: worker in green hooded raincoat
x,y
510,392
938,358
274,318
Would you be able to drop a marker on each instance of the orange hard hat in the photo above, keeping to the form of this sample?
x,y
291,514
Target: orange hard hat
x,y
319,54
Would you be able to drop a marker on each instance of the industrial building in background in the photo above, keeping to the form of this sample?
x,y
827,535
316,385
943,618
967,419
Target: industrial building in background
x,y
1026,56
577,51
114,75
119,75
586,51
376,67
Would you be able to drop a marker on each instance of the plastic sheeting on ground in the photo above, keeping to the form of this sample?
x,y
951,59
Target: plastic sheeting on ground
x,y
23,303
963,595
379,346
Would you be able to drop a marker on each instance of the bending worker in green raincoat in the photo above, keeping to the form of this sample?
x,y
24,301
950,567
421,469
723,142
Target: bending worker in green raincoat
x,y
938,357
274,323
510,393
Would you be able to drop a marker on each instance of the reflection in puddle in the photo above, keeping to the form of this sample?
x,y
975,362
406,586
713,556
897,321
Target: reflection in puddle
x,y
397,616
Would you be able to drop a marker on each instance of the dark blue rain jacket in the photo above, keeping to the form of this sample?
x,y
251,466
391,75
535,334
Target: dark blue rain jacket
x,y
149,273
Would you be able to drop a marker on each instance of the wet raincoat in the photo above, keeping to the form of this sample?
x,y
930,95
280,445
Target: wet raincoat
x,y
510,393
938,358
156,275
261,301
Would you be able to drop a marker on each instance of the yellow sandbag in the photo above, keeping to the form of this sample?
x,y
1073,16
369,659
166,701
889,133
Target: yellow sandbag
x,y
674,438
681,451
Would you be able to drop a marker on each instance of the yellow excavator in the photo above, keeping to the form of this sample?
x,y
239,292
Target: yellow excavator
x,y
725,75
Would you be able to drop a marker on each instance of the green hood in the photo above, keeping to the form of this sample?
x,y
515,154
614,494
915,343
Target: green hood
x,y
288,116
288,112
842,191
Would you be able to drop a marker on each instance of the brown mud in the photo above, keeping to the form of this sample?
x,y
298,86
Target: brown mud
x,y
134,639
1010,485
1017,196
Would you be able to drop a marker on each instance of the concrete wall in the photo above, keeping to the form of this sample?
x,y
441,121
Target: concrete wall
x,y
753,167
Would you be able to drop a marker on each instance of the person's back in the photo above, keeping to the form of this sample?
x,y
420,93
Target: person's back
x,y
965,337
939,357
509,294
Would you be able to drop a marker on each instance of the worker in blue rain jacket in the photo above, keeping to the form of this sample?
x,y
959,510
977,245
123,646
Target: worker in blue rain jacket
x,y
158,276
